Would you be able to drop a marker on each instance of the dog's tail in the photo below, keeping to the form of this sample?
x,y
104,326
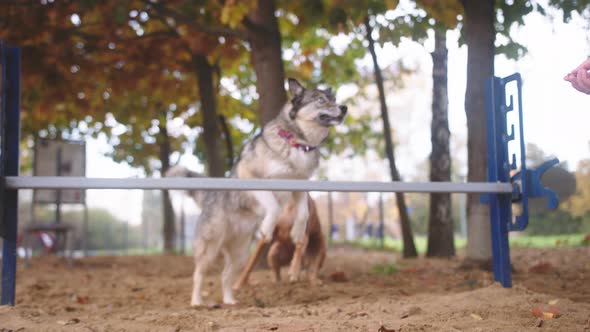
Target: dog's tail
x,y
181,171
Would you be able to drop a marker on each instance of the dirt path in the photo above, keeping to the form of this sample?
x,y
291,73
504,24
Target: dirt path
x,y
152,294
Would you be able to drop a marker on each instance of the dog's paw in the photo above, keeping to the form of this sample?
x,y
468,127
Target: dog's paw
x,y
196,299
237,285
315,281
293,277
230,301
241,283
195,303
294,273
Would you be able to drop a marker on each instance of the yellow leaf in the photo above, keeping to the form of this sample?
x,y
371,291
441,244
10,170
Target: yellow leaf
x,y
552,302
225,14
182,30
391,4
476,317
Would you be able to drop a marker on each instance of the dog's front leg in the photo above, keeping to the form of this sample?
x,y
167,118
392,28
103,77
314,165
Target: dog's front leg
x,y
316,263
272,260
298,234
272,209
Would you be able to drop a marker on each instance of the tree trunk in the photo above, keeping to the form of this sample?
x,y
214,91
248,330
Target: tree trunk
x,y
224,127
440,223
168,229
229,144
479,35
211,131
409,249
266,57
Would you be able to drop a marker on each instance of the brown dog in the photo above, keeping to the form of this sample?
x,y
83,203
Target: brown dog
x,y
283,252
282,248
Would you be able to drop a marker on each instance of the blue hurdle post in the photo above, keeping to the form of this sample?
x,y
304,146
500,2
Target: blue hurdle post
x,y
9,166
498,171
526,183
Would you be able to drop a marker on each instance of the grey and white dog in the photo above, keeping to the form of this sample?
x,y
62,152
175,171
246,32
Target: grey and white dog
x,y
286,148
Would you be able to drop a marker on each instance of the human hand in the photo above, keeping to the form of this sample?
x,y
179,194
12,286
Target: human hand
x,y
580,77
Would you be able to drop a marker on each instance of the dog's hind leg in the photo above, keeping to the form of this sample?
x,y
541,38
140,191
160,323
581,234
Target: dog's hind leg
x,y
226,279
198,275
234,259
205,253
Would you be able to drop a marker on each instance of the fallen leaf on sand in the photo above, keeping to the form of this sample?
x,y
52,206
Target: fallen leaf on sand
x,y
411,270
384,329
429,282
338,276
542,267
69,322
553,302
546,311
476,317
80,299
259,303
412,311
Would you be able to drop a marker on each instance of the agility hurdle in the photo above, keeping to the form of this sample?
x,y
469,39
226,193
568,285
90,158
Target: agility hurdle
x,y
501,191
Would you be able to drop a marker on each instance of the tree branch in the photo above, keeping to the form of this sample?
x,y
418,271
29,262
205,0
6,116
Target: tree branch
x,y
247,22
211,30
174,33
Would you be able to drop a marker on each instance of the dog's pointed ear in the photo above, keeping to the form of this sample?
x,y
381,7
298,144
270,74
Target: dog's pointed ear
x,y
295,88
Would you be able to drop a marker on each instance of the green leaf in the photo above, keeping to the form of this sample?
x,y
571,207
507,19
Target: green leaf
x,y
120,14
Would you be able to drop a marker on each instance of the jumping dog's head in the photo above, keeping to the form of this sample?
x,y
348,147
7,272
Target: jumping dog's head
x,y
314,105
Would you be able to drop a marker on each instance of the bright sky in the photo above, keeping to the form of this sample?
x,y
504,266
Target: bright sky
x,y
556,116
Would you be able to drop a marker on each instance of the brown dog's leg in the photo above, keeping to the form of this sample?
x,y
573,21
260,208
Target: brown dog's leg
x,y
295,268
273,260
315,265
250,265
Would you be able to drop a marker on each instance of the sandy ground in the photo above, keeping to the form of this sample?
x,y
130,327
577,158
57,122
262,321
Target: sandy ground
x,y
152,294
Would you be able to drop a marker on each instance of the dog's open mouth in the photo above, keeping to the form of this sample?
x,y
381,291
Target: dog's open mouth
x,y
330,120
326,118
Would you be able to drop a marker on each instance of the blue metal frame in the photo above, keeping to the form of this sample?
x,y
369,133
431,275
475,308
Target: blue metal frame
x,y
526,183
9,166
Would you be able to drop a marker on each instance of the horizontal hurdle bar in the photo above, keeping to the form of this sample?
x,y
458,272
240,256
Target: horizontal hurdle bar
x,y
172,183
